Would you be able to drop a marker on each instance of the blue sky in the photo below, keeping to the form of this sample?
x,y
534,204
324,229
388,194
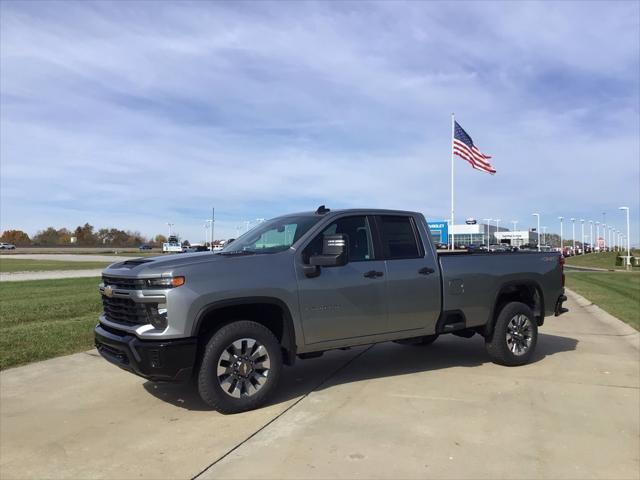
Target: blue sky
x,y
133,114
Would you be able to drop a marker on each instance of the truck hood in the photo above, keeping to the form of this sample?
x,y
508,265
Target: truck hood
x,y
153,266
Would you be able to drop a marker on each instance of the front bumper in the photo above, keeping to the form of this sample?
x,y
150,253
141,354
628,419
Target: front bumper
x,y
156,360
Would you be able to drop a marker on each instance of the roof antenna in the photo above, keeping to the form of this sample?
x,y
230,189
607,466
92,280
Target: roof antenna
x,y
322,210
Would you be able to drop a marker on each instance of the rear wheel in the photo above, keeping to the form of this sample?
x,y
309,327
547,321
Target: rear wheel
x,y
515,335
240,367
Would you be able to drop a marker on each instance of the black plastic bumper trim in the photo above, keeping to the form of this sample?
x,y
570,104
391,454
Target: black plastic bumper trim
x,y
164,360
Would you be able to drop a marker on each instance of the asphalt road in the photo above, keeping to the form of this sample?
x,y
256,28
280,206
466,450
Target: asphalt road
x,y
57,274
66,257
387,411
49,275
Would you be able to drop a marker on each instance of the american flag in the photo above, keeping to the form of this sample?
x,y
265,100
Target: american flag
x,y
463,147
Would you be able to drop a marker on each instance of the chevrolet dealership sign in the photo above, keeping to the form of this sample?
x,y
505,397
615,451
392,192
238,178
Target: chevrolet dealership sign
x,y
439,231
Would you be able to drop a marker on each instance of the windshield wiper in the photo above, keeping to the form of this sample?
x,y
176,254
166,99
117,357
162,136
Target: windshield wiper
x,y
238,252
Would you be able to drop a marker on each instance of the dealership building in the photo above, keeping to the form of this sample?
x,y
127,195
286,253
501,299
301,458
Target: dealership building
x,y
476,233
517,238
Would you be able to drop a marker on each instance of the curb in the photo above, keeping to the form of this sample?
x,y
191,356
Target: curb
x,y
623,330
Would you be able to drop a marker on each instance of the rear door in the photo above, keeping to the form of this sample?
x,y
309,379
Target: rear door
x,y
413,278
347,301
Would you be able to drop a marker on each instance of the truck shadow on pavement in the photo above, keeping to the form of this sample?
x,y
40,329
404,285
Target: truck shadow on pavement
x,y
368,362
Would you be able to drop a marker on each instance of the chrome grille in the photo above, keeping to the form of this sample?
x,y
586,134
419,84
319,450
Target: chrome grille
x,y
127,283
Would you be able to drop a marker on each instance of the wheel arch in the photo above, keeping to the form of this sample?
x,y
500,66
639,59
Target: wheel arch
x,y
528,292
277,313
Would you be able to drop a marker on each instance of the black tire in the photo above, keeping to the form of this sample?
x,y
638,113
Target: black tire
x,y
419,341
513,340
244,378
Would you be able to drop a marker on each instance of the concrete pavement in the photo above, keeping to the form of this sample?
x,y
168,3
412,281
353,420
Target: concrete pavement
x,y
387,411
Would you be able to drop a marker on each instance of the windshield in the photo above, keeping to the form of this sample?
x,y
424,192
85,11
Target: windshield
x,y
272,236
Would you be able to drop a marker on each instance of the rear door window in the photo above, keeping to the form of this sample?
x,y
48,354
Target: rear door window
x,y
398,236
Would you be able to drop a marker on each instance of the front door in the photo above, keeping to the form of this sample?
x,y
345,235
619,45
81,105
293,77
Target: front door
x,y
347,301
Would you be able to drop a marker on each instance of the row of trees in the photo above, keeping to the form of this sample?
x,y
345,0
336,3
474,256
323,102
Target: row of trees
x,y
83,236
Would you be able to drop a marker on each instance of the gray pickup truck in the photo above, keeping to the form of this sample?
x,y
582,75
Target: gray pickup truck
x,y
301,284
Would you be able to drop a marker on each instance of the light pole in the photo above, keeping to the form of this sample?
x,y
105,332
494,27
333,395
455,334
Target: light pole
x,y
561,246
628,259
208,224
604,225
582,236
488,220
620,240
544,235
514,222
537,228
573,228
591,234
610,236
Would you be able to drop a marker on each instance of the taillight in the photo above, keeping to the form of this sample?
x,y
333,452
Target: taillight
x,y
561,262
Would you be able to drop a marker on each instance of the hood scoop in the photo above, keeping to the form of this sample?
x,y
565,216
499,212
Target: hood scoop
x,y
135,262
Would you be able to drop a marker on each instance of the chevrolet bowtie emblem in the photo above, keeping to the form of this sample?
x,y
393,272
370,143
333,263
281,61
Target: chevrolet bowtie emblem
x,y
108,291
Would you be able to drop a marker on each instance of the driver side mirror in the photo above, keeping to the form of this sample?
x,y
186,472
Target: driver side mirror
x,y
335,253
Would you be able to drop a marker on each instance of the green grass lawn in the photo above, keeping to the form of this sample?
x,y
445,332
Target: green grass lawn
x,y
599,260
616,293
19,265
46,318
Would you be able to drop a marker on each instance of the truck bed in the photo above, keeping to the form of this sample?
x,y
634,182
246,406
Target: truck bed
x,y
472,281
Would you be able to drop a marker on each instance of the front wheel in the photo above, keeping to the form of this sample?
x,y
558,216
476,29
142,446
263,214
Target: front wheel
x,y
515,335
240,367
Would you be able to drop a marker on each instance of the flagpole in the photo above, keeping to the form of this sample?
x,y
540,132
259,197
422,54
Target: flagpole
x,y
451,244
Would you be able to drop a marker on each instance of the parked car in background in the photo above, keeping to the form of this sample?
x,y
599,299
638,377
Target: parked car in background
x,y
195,249
145,246
7,246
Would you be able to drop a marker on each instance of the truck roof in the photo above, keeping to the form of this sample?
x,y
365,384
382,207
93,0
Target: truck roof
x,y
367,211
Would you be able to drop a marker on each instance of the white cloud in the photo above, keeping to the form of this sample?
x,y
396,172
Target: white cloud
x,y
126,115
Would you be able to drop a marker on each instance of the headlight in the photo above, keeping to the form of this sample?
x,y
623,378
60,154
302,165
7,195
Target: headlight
x,y
169,282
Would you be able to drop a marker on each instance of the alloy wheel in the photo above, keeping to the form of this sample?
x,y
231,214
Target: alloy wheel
x,y
243,368
519,335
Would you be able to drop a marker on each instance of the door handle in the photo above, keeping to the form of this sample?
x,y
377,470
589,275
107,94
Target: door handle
x,y
373,274
426,271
